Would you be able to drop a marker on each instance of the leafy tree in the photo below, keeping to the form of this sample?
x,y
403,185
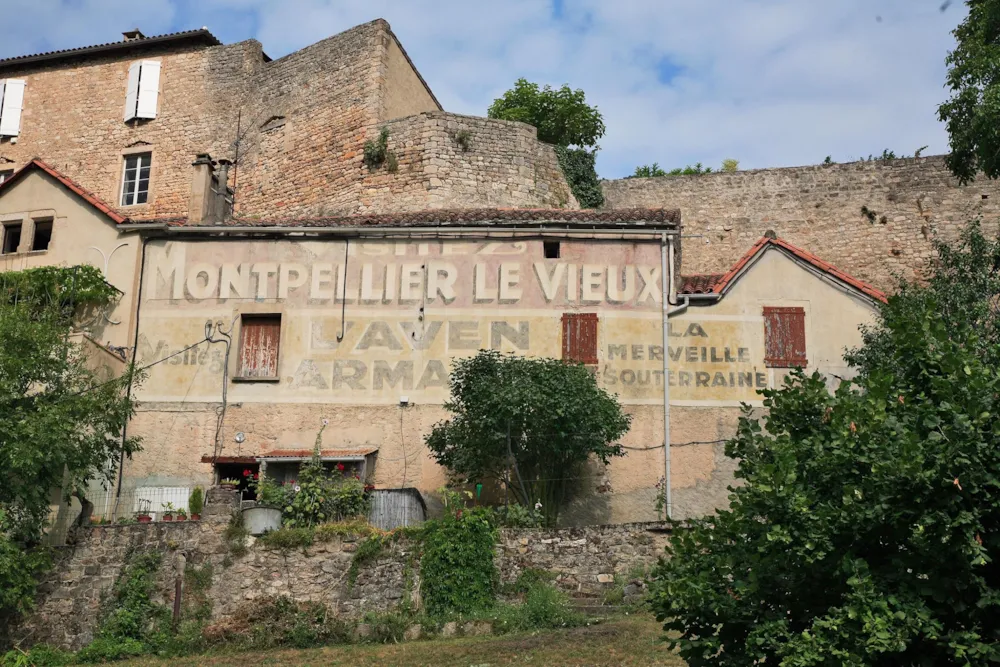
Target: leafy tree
x,y
562,116
60,420
556,414
973,111
868,528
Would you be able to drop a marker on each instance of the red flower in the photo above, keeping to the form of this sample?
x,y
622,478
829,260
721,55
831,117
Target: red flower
x,y
256,475
340,467
247,472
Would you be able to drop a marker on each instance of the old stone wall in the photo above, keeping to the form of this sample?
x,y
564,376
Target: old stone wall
x,y
72,119
585,561
819,208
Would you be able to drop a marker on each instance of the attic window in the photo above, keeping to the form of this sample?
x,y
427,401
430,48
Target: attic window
x,y
42,237
551,249
11,238
785,337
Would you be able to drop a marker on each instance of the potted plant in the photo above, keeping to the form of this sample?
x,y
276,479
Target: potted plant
x,y
272,497
229,482
196,503
96,520
168,511
181,514
142,515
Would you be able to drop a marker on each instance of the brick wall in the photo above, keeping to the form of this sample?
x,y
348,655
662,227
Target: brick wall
x,y
819,208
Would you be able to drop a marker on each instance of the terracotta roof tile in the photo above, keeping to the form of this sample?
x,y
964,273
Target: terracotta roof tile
x,y
699,283
763,244
72,185
631,217
209,38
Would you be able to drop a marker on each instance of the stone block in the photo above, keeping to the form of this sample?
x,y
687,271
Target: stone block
x,y
413,633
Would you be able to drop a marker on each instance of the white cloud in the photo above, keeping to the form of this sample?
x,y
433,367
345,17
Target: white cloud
x,y
770,82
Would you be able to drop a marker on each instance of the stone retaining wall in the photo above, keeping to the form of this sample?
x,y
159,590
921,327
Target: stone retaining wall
x,y
585,560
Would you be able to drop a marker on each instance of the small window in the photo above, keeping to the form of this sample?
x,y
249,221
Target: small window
x,y
551,249
784,337
579,342
135,188
5,174
11,238
43,235
259,339
142,89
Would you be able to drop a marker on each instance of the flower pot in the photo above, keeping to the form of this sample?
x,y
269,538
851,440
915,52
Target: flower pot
x,y
181,518
168,517
261,519
144,518
196,517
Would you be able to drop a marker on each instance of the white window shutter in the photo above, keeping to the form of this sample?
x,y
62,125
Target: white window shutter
x,y
132,96
10,108
149,88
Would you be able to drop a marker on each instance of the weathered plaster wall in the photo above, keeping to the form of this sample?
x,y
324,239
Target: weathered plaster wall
x,y
819,208
80,235
447,300
585,561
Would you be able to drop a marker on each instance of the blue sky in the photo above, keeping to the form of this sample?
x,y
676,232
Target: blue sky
x,y
768,82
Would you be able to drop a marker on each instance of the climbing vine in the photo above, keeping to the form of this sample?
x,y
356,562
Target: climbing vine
x,y
457,570
578,165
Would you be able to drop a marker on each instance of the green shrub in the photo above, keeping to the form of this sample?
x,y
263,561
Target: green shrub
x,y
579,168
277,622
40,655
109,649
196,503
287,538
516,515
457,567
323,495
236,536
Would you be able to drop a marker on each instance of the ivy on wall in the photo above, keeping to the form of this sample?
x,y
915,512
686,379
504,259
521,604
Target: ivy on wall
x,y
578,165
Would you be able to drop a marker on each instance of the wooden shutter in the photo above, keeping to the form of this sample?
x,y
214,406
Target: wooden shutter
x,y
149,89
259,339
132,92
10,108
579,337
784,337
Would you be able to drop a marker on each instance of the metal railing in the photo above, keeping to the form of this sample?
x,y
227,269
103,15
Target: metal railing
x,y
110,507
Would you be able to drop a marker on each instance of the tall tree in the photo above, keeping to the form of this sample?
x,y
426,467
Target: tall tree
x,y
60,419
561,115
867,531
972,114
532,422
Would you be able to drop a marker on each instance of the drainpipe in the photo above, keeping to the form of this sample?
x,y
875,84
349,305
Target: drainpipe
x,y
667,271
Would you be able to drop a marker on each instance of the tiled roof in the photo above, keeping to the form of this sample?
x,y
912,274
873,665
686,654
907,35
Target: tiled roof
x,y
325,453
699,283
705,285
203,33
75,187
461,217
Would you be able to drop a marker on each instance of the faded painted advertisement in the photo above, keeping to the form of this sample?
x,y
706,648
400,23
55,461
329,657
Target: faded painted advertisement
x,y
368,323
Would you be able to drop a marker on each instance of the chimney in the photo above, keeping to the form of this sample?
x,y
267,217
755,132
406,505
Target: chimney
x,y
201,207
133,35
221,194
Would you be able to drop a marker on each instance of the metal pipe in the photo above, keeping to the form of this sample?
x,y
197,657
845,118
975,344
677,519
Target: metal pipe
x,y
666,278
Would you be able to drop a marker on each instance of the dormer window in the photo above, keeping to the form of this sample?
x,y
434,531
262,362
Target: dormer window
x,y
143,89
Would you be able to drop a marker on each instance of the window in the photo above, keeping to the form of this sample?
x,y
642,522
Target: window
x,y
259,339
784,337
11,237
42,236
551,249
143,89
579,340
11,101
5,174
135,188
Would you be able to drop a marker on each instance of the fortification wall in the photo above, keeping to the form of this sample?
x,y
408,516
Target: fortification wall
x,y
819,208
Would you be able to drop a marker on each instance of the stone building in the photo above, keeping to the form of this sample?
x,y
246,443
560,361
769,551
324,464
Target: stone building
x,y
126,119
271,279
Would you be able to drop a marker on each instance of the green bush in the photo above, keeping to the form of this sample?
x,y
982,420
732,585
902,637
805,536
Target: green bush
x,y
457,570
109,649
196,503
278,622
288,538
323,495
516,515
40,655
579,168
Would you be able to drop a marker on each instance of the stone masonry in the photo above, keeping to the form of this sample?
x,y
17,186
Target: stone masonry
x,y
820,208
586,562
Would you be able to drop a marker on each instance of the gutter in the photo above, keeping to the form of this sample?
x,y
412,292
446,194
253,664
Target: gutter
x,y
615,233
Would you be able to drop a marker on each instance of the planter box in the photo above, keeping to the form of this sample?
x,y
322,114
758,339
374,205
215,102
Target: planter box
x,y
260,520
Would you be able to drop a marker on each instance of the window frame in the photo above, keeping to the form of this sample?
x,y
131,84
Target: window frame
x,y
51,224
551,249
240,375
570,346
138,156
4,228
796,316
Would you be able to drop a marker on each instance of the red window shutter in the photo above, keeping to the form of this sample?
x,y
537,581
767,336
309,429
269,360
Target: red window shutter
x,y
784,337
579,339
259,338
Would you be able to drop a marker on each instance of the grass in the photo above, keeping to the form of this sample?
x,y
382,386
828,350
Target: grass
x,y
637,640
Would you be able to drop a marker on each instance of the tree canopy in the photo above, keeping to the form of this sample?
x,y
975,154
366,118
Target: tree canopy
x,y
60,419
972,113
561,115
556,414
867,530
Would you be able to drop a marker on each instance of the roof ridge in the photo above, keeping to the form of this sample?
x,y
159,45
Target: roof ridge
x,y
73,186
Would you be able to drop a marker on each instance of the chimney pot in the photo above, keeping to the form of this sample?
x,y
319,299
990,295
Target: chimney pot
x,y
133,35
